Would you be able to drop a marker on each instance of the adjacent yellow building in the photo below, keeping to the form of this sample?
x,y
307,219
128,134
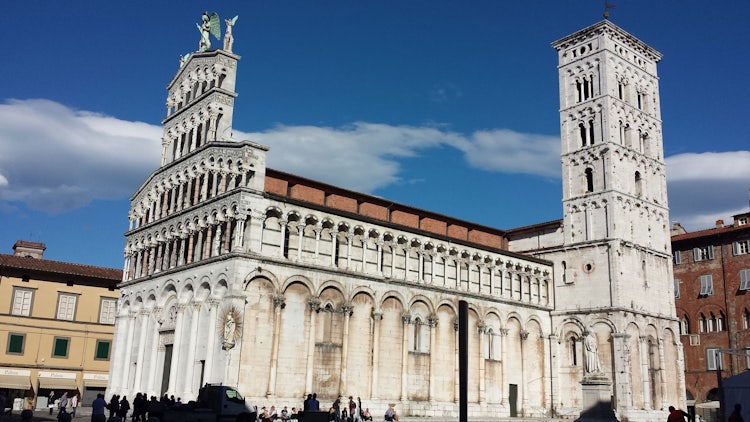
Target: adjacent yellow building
x,y
56,326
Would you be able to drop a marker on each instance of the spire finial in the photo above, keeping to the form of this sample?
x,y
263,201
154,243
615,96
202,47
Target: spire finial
x,y
607,6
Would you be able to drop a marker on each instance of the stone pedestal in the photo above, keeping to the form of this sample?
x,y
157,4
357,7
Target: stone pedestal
x,y
597,399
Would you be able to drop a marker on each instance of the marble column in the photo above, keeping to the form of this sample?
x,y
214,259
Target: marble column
x,y
432,321
176,350
190,390
406,320
278,305
314,306
377,316
347,310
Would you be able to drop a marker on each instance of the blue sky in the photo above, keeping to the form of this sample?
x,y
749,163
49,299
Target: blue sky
x,y
443,105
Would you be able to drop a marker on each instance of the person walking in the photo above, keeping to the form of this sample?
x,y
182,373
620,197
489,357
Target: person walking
x,y
63,403
124,407
51,401
97,408
114,405
73,404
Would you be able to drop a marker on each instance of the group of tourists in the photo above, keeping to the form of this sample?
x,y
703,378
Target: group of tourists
x,y
62,403
341,410
143,408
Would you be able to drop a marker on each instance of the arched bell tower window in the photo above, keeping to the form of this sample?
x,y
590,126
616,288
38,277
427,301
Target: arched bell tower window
x,y
589,180
582,131
591,132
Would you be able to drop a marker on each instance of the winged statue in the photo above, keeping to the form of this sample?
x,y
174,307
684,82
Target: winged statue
x,y
209,25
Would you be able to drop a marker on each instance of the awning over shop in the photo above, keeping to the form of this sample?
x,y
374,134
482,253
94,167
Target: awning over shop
x,y
15,382
58,383
708,405
95,383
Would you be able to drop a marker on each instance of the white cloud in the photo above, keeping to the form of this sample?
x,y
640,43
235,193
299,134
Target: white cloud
x,y
709,186
55,159
507,151
731,165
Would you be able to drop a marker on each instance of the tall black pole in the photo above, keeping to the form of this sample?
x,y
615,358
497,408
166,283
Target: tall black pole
x,y
463,360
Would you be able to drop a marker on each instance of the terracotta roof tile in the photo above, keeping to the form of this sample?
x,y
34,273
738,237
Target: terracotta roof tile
x,y
709,232
59,268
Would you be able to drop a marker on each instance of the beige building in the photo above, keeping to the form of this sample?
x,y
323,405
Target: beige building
x,y
283,286
56,325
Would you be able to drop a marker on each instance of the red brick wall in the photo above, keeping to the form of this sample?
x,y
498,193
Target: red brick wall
x,y
342,203
484,238
277,186
434,226
405,219
373,211
459,232
727,298
295,187
309,194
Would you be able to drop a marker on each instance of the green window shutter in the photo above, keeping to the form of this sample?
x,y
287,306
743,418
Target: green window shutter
x,y
61,347
102,349
15,343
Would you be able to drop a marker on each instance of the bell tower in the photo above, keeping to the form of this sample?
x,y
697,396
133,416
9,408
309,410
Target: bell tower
x,y
613,170
614,293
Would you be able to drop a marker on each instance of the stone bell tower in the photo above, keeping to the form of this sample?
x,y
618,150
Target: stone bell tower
x,y
615,279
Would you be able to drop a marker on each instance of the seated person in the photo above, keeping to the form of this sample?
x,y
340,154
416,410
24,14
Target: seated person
x,y
390,414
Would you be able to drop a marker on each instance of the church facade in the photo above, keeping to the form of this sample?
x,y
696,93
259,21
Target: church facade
x,y
283,286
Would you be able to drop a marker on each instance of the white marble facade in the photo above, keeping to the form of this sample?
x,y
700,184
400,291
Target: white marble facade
x,y
230,280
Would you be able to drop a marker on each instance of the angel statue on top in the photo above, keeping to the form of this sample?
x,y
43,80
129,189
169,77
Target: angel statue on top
x,y
228,37
209,26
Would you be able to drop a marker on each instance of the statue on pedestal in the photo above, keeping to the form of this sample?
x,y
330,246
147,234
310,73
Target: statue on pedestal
x,y
228,37
209,26
591,362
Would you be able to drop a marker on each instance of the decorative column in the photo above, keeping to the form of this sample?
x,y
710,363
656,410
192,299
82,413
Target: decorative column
x,y
643,349
432,321
406,320
314,304
491,269
552,375
127,361
318,229
144,322
211,343
504,356
278,305
406,261
349,238
524,385
119,346
377,316
300,236
622,369
445,270
154,356
393,258
347,309
173,370
190,390
662,377
481,331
